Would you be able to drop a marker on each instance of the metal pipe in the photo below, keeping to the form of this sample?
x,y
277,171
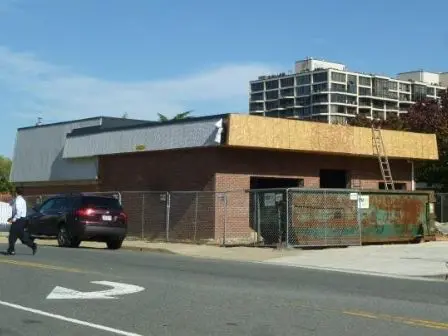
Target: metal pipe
x,y
412,176
287,218
196,216
225,219
168,209
143,216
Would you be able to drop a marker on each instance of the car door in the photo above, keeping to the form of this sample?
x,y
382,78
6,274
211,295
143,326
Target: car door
x,y
37,217
43,218
57,212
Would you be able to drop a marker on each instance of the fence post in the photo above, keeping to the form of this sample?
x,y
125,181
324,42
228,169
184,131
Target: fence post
x,y
287,218
326,218
225,219
196,216
442,218
358,217
167,220
258,215
143,216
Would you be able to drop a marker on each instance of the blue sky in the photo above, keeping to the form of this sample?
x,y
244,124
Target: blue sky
x,y
64,59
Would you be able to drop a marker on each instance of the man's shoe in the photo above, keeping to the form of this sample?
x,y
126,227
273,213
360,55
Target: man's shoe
x,y
34,248
9,252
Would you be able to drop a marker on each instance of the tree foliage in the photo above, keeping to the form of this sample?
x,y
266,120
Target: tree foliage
x,y
183,115
427,116
5,169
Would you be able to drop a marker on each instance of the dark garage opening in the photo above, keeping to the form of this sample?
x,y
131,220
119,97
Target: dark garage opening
x,y
333,179
268,218
274,182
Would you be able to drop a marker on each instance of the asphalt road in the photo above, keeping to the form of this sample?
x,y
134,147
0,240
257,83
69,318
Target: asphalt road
x,y
187,296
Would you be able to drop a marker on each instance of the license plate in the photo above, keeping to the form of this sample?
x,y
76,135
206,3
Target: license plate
x,y
107,218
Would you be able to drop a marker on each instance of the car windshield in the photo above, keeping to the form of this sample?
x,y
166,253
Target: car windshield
x,y
101,202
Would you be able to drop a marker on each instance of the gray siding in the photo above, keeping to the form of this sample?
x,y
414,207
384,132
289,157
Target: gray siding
x,y
38,155
199,133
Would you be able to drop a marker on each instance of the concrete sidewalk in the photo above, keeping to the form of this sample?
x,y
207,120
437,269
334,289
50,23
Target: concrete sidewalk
x,y
410,260
192,250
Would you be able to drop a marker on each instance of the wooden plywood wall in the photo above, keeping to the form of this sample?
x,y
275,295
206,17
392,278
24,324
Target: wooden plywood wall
x,y
286,134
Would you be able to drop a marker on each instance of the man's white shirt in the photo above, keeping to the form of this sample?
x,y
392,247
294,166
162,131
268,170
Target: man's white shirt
x,y
18,208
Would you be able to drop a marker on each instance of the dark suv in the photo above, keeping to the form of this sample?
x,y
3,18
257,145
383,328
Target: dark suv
x,y
74,218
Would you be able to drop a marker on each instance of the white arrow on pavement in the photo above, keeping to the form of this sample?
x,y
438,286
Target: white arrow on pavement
x,y
61,293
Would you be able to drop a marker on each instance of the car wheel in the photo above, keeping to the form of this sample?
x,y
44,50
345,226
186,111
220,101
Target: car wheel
x,y
63,237
75,243
114,244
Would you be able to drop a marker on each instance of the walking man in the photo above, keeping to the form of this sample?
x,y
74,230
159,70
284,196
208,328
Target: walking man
x,y
18,224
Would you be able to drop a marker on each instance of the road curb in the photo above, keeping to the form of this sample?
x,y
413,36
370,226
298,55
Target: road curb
x,y
53,243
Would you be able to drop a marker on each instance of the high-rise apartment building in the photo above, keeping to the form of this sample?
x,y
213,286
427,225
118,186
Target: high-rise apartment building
x,y
327,91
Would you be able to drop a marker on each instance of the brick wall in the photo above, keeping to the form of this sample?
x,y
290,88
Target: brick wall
x,y
57,189
235,167
306,166
164,170
208,170
174,170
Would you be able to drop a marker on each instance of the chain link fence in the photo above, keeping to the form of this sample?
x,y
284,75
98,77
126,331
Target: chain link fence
x,y
441,207
323,218
269,217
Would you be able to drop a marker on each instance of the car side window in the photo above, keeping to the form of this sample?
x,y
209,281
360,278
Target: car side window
x,y
47,205
59,204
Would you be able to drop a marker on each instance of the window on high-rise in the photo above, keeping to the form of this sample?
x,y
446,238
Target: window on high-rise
x,y
338,87
259,86
430,91
405,97
257,96
318,109
320,98
271,95
320,77
303,79
289,112
439,92
287,92
320,87
256,107
405,87
338,77
303,90
392,85
364,102
287,82
303,101
272,84
363,91
419,92
351,110
366,81
272,105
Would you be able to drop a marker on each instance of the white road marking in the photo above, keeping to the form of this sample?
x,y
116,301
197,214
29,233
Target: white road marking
x,y
59,293
68,319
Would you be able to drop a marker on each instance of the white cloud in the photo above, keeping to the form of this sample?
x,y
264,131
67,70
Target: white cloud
x,y
57,93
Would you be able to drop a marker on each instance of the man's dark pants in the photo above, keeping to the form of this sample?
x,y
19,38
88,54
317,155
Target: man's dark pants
x,y
17,231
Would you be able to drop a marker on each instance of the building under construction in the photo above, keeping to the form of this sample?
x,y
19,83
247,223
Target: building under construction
x,y
214,154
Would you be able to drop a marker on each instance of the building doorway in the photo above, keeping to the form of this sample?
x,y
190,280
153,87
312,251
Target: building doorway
x,y
333,179
268,204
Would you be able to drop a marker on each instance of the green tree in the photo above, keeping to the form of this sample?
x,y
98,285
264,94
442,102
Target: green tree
x,y
5,169
183,115
427,116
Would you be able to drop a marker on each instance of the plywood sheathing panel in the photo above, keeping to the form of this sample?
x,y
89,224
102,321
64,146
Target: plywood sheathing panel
x,y
285,134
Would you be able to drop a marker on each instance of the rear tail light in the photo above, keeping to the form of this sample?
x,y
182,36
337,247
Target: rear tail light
x,y
123,215
85,212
